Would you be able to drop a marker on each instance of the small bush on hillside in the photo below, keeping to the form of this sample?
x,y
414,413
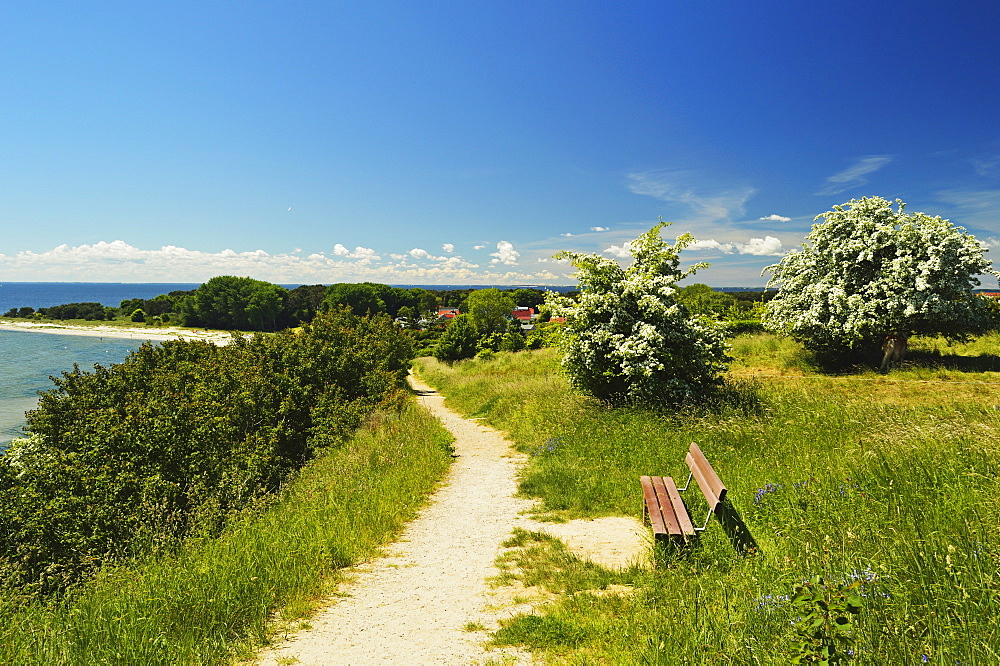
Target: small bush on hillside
x,y
458,341
629,339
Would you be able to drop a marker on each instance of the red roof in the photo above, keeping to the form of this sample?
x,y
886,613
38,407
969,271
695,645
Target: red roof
x,y
523,313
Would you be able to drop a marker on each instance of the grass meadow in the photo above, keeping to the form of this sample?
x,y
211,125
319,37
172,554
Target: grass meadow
x,y
867,489
216,600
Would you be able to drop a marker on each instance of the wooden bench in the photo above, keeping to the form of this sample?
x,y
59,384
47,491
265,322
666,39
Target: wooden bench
x,y
663,508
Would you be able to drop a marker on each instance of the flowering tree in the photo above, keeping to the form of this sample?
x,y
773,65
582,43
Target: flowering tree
x,y
871,272
628,339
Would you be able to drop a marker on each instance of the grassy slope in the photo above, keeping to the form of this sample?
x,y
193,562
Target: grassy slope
x,y
888,480
212,602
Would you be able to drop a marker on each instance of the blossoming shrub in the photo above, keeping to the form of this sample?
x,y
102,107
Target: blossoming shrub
x,y
628,339
871,271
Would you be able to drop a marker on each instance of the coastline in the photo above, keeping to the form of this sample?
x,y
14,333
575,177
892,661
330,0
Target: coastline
x,y
127,333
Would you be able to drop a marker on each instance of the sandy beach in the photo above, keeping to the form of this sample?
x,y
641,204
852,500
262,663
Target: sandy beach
x,y
159,334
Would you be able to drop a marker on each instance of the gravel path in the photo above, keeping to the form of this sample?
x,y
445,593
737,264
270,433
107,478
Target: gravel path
x,y
411,606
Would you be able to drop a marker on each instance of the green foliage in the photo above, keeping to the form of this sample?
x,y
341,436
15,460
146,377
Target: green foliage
x,y
544,334
458,341
703,300
234,303
89,311
825,622
528,297
302,303
138,316
489,310
869,272
132,458
628,339
362,298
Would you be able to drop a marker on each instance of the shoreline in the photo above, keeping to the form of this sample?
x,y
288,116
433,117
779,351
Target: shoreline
x,y
125,333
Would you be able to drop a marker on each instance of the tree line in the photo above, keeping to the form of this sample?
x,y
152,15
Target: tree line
x,y
242,303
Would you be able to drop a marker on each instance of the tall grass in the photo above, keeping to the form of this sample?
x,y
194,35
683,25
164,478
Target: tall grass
x,y
890,482
211,602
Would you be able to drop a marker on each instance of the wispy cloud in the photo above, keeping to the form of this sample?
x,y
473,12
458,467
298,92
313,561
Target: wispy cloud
x,y
776,218
600,228
566,235
987,166
854,175
684,187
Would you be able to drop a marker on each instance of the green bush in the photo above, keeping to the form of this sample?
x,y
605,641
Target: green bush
x,y
458,341
132,458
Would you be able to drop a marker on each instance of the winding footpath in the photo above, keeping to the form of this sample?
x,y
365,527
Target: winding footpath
x,y
412,606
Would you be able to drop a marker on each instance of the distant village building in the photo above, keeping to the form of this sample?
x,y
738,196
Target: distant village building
x,y
448,313
523,314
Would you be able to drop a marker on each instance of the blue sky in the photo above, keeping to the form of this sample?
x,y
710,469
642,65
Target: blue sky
x,y
466,142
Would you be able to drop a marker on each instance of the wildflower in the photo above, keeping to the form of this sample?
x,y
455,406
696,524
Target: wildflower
x,y
761,492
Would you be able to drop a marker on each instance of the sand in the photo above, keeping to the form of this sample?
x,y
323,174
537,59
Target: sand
x,y
414,605
158,334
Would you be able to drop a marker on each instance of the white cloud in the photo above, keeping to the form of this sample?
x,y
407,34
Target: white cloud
x,y
566,235
711,245
418,253
686,187
363,253
767,246
600,228
854,175
119,261
448,247
505,254
776,218
478,247
761,247
397,257
623,251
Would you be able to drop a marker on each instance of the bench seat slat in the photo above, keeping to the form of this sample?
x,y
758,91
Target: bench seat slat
x,y
681,516
663,507
666,503
651,506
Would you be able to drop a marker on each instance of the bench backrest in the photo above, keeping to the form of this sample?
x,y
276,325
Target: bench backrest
x,y
708,481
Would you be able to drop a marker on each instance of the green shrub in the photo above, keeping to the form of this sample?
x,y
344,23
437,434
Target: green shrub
x,y
132,458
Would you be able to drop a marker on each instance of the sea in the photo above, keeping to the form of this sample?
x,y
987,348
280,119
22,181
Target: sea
x,y
29,359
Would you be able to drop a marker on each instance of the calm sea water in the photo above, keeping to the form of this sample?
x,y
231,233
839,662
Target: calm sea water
x,y
46,294
27,360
